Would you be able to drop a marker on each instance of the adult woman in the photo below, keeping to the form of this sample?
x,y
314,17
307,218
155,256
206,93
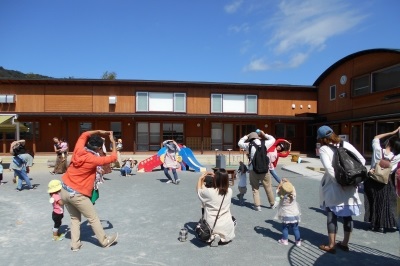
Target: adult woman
x,y
336,200
281,148
170,161
211,198
61,163
78,183
380,199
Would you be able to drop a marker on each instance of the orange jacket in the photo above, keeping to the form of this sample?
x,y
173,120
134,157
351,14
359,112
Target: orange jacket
x,y
81,172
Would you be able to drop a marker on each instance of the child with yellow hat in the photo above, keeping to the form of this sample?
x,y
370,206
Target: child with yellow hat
x,y
288,212
54,189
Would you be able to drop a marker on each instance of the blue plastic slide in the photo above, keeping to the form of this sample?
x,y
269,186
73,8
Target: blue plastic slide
x,y
189,159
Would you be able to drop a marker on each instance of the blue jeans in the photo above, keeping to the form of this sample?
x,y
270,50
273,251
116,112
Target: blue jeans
x,y
125,171
285,230
22,175
275,175
173,172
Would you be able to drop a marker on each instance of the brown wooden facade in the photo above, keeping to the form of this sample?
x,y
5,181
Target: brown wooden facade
x,y
59,107
361,117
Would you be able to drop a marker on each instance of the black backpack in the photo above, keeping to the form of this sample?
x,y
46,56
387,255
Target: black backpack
x,y
260,159
349,171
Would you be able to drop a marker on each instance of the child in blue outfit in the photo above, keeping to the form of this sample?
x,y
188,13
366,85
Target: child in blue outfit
x,y
288,212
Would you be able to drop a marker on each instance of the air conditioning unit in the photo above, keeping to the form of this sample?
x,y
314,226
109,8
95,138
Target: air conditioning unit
x,y
112,99
7,98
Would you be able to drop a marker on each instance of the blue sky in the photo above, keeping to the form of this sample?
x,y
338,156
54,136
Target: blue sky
x,y
235,41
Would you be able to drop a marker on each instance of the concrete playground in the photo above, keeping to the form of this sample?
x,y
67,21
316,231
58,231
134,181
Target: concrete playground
x,y
148,215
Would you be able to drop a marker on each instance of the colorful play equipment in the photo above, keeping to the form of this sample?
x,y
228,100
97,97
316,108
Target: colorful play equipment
x,y
185,158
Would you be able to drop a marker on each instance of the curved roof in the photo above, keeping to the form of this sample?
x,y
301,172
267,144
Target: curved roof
x,y
350,57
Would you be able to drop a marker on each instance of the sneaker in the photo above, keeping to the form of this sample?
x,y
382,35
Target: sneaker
x,y
216,240
32,187
238,196
58,238
169,182
298,243
257,208
19,189
177,181
111,240
76,249
51,172
283,242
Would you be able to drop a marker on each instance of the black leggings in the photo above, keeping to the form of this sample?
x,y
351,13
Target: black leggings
x,y
331,222
57,218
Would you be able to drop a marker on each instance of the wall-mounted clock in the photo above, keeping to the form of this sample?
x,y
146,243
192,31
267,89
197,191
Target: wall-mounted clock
x,y
343,79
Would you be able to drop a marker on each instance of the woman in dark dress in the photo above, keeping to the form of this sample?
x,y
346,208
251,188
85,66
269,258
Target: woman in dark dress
x,y
380,199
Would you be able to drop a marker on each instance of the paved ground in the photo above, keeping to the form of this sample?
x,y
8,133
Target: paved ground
x,y
148,214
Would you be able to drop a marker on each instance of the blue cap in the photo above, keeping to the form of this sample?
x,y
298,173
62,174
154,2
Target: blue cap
x,y
324,132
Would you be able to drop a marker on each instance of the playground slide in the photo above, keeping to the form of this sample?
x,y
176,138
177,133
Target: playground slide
x,y
149,164
189,159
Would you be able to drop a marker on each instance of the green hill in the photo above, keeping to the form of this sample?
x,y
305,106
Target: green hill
x,y
5,73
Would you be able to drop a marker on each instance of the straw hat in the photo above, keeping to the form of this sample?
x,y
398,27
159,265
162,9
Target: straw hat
x,y
285,189
54,186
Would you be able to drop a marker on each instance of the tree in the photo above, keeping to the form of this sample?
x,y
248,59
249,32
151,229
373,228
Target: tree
x,y
109,75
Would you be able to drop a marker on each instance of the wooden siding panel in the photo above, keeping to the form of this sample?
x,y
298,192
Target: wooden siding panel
x,y
24,94
126,99
365,64
280,102
67,99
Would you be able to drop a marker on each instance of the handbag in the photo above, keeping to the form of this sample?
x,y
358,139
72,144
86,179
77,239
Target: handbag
x,y
95,196
382,170
203,230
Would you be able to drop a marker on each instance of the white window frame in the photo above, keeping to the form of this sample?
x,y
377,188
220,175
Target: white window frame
x,y
226,98
158,104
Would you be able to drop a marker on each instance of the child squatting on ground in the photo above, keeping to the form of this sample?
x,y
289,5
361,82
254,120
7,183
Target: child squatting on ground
x,y
54,189
288,212
242,185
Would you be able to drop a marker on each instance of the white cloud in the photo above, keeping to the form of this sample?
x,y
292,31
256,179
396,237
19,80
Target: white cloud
x,y
256,65
298,28
242,28
233,7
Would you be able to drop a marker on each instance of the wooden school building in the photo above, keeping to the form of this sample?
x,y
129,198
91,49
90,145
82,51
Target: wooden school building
x,y
357,96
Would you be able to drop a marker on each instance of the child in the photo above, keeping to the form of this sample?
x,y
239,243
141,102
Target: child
x,y
126,168
288,212
1,172
63,149
241,173
100,174
54,189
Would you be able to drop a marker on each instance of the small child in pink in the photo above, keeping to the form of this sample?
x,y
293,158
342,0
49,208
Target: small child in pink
x,y
54,189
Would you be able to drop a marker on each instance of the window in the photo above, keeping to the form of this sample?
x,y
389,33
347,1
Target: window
x,y
160,102
216,103
29,130
173,131
360,85
116,129
233,103
386,79
85,126
285,131
332,91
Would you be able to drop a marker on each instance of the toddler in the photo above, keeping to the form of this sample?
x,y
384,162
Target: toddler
x,y
63,148
54,189
241,174
288,212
